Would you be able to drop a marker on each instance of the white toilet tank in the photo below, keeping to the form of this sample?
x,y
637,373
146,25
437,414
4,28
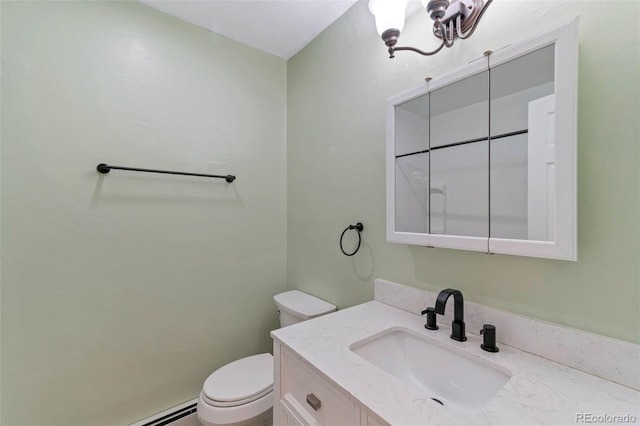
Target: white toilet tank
x,y
295,306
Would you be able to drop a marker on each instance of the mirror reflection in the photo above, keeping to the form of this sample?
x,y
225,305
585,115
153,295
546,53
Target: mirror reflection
x,y
459,190
412,165
476,157
522,156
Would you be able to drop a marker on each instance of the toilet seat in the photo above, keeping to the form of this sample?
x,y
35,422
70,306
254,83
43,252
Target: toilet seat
x,y
240,382
217,403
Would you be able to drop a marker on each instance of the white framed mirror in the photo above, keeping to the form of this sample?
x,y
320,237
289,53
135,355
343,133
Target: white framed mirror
x,y
484,157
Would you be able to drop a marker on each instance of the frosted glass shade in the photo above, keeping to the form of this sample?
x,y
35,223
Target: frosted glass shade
x,y
388,13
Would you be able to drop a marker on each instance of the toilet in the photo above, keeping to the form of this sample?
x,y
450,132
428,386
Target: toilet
x,y
241,392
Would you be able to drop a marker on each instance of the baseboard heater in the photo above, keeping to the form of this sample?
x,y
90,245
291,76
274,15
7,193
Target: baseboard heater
x,y
169,416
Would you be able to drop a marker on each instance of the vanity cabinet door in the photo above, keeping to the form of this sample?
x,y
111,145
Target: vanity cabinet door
x,y
370,419
311,399
288,416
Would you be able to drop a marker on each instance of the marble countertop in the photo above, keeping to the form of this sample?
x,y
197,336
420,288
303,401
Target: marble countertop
x,y
540,392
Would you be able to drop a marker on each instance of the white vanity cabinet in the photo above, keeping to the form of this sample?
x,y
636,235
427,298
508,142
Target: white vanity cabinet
x,y
302,397
484,158
370,419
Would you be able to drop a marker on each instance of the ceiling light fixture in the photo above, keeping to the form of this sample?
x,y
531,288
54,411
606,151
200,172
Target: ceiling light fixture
x,y
451,20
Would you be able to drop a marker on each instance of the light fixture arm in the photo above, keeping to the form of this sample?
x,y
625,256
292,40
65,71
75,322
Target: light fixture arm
x,y
393,48
413,49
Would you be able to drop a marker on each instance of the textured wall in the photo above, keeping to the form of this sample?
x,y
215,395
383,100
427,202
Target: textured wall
x,y
121,293
337,87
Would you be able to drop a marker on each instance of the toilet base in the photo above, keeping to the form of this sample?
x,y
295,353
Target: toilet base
x,y
264,419
209,415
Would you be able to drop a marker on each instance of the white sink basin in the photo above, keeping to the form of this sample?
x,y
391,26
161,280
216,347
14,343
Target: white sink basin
x,y
452,377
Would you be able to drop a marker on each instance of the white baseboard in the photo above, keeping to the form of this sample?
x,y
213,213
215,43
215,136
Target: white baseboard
x,y
169,416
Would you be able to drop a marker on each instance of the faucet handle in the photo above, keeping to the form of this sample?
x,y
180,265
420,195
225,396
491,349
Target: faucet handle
x,y
489,341
431,319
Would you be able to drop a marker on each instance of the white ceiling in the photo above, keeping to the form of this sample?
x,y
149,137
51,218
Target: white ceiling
x,y
279,27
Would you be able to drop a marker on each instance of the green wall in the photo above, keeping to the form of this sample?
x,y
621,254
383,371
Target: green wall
x,y
121,293
337,87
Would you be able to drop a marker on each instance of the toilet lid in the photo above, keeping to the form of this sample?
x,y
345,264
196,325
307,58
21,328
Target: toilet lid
x,y
243,380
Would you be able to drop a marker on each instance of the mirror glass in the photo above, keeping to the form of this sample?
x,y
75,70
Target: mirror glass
x,y
459,133
522,151
412,165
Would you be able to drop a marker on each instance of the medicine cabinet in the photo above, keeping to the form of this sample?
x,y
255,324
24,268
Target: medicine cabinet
x,y
484,157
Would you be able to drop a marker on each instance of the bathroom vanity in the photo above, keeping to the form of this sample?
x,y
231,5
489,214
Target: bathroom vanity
x,y
376,364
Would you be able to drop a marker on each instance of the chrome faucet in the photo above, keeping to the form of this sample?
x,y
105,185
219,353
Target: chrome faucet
x,y
457,325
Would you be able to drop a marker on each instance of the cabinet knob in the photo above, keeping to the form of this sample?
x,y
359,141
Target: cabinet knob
x,y
313,401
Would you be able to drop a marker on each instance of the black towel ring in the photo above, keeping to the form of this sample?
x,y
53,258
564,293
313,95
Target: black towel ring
x,y
358,227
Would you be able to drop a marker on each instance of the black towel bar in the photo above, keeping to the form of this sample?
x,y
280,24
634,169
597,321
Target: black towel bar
x,y
106,168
